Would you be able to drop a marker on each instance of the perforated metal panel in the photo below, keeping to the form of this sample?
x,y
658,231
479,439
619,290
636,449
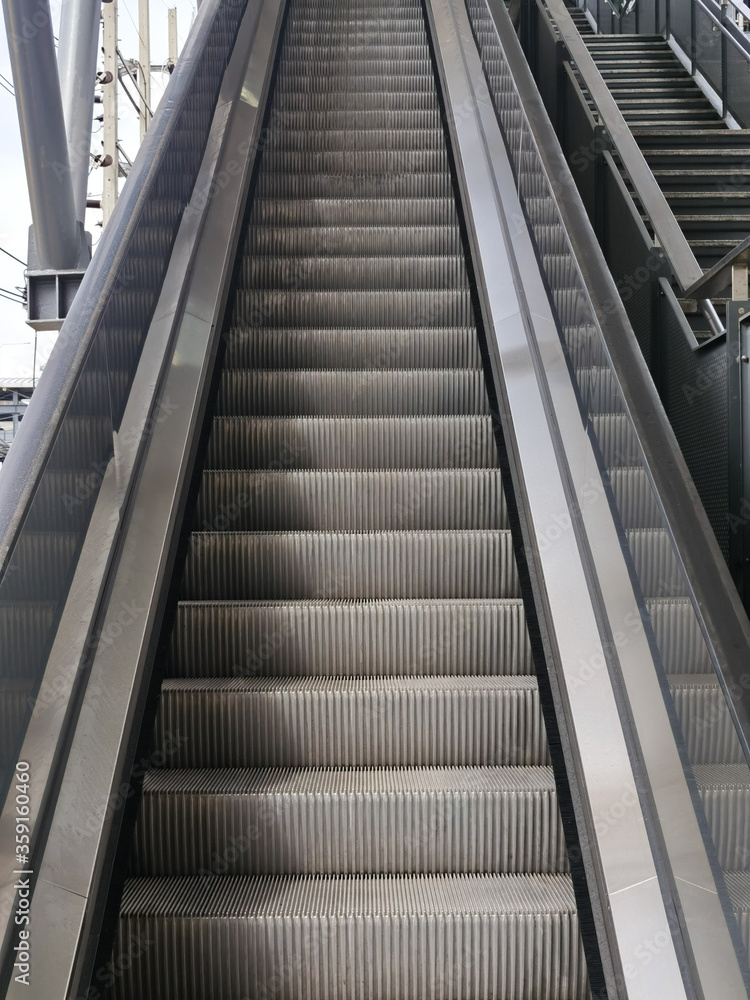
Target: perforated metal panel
x,y
695,395
629,254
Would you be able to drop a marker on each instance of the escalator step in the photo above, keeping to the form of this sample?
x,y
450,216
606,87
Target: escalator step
x,y
351,501
355,212
301,349
301,565
354,241
322,273
386,392
350,639
353,309
354,443
701,707
725,792
356,938
405,821
351,722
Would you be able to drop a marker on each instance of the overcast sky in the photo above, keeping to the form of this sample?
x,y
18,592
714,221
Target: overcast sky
x,y
16,338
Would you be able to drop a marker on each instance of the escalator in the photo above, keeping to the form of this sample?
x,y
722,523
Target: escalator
x,y
393,656
362,803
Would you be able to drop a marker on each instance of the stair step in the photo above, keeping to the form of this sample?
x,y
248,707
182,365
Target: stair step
x,y
358,161
322,273
635,499
655,564
354,241
302,565
416,721
364,185
350,393
678,636
355,212
359,443
354,938
707,726
354,309
370,349
614,434
291,100
351,501
320,821
725,792
354,638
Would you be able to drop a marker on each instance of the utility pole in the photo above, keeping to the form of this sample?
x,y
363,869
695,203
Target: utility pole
x,y
172,20
144,56
109,95
78,50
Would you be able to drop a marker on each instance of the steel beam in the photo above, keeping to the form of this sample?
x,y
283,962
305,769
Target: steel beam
x,y
45,147
77,55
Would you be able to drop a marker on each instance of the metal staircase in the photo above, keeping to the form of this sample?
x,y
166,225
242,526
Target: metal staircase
x,y
360,802
701,165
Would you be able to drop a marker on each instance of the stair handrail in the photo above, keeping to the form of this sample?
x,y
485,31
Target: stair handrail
x,y
717,278
670,237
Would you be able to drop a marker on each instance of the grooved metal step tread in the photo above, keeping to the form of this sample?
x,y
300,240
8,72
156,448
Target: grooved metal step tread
x,y
343,933
344,349
245,565
351,722
311,101
352,897
347,161
704,716
383,211
368,184
679,638
350,638
323,273
354,241
355,781
357,897
355,443
344,393
351,308
720,776
351,501
344,821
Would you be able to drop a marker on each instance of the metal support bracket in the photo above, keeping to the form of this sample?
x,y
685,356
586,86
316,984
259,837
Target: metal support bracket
x,y
50,291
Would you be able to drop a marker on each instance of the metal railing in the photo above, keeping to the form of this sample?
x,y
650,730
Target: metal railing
x,y
651,263
674,245
707,33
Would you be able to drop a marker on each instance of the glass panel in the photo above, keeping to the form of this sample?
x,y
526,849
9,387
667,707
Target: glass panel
x,y
738,85
679,22
708,48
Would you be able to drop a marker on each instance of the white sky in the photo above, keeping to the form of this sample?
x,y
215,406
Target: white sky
x,y
16,338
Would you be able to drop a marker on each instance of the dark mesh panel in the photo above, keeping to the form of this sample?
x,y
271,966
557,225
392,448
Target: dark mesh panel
x,y
738,85
708,49
628,254
696,401
679,23
580,144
